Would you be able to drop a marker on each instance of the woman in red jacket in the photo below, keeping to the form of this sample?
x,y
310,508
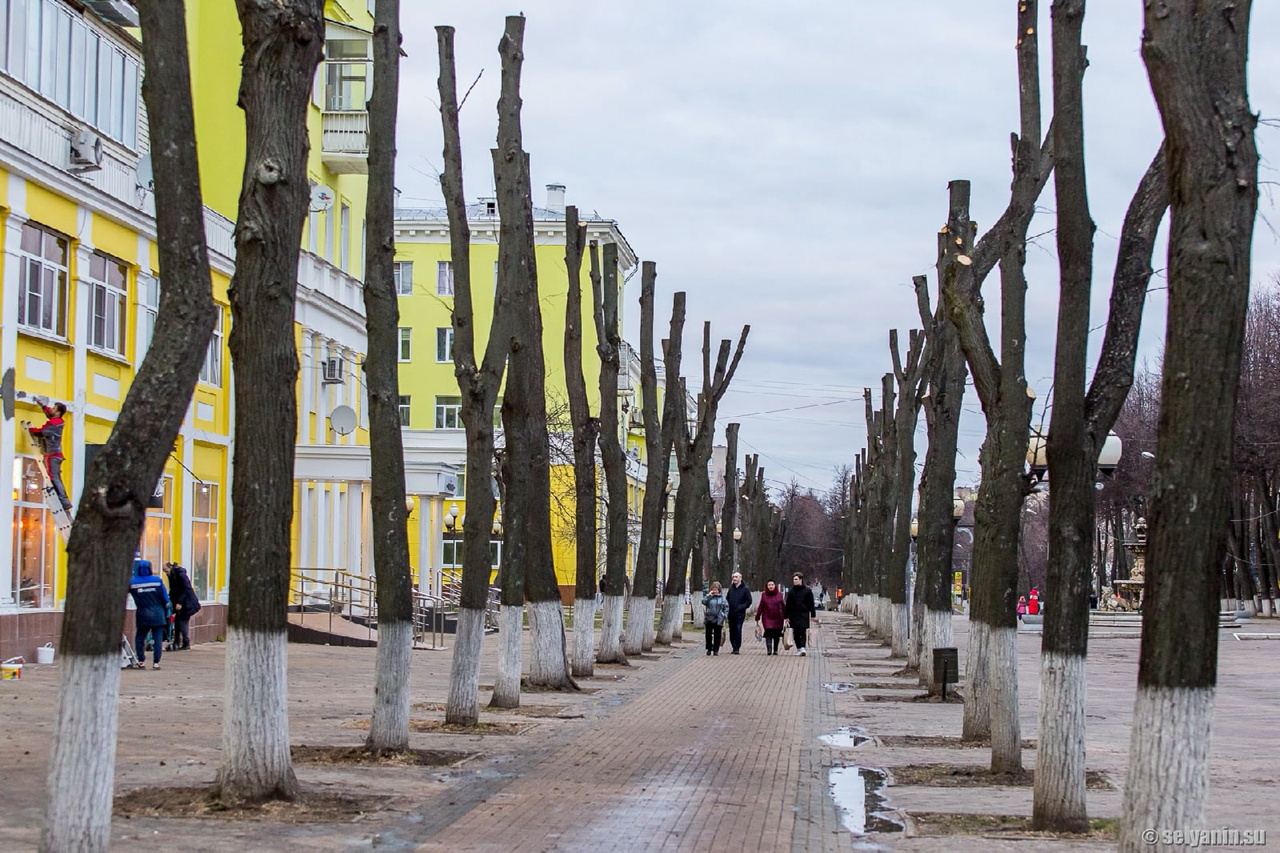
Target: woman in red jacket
x,y
771,613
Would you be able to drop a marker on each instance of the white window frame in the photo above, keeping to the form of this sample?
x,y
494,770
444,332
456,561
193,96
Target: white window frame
x,y
159,525
48,546
148,312
115,306
344,237
211,520
52,284
444,278
448,413
405,344
444,345
211,370
403,272
405,406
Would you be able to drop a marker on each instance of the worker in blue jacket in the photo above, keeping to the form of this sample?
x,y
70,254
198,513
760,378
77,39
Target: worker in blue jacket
x,y
152,615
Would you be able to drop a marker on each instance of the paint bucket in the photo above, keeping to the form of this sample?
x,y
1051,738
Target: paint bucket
x,y
44,654
11,669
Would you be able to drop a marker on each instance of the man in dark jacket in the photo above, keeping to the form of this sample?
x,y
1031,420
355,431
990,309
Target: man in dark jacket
x,y
49,436
739,598
152,614
799,608
185,604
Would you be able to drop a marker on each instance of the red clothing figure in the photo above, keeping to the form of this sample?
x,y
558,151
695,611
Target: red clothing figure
x,y
1033,601
770,610
49,436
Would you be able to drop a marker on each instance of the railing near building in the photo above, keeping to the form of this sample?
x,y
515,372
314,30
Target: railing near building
x,y
354,598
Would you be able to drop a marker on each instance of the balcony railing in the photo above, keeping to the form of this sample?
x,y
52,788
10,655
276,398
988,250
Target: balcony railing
x,y
345,141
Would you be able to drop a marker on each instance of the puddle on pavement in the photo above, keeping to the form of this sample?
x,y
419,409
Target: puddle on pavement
x,y
837,687
856,792
846,737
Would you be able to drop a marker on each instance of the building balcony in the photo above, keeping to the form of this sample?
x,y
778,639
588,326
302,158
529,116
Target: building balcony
x,y
344,144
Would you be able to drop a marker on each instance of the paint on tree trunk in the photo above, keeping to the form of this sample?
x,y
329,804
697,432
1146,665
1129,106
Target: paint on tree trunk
x,y
1059,798
256,764
463,705
612,630
506,687
86,722
584,619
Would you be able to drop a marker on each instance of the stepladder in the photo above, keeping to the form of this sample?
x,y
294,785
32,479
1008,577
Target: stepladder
x,y
128,660
61,516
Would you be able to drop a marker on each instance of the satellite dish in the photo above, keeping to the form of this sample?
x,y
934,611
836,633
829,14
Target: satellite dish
x,y
321,198
145,179
343,420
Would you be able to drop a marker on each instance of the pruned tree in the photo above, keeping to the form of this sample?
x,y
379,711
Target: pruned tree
x,y
907,374
609,346
585,431
1080,421
389,727
728,559
283,43
693,453
659,439
113,504
945,374
1196,55
991,704
478,383
527,473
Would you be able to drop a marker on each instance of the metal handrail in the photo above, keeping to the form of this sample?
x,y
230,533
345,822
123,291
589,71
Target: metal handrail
x,y
355,597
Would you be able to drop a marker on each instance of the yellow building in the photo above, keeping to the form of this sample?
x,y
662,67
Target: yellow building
x,y
430,401
79,286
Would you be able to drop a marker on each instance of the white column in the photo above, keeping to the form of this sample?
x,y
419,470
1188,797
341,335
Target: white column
x,y
9,359
307,363
304,525
80,360
354,515
338,502
426,546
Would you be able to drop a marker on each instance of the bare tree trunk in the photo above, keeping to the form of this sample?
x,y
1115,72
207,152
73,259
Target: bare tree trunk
x,y
585,431
479,385
283,43
907,374
729,509
1079,424
659,440
527,475
1196,56
611,453
389,728
945,371
113,504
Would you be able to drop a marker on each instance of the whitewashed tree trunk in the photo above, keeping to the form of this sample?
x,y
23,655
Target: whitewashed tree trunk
x,y
549,661
639,623
977,708
900,616
699,613
256,764
584,637
650,631
506,687
1006,730
463,705
611,631
82,766
1168,782
671,618
935,634
1060,754
389,728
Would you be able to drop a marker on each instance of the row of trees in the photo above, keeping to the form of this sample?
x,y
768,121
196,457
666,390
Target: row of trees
x,y
282,48
1206,174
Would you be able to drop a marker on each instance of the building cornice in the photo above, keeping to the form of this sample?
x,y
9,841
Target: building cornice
x,y
434,229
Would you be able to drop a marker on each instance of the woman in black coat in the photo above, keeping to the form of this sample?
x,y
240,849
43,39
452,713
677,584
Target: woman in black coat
x,y
185,604
799,608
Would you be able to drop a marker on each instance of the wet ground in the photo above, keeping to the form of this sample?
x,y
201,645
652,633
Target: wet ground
x,y
681,751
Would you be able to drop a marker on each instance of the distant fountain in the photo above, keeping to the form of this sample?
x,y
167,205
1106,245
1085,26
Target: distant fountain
x,y
1126,595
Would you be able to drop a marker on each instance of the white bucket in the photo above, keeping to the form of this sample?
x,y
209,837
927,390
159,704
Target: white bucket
x,y
44,654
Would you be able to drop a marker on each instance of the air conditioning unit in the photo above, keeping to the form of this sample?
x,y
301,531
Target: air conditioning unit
x,y
635,418
86,151
333,371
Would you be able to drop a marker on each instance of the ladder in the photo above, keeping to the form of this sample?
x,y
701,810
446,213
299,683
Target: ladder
x,y
61,517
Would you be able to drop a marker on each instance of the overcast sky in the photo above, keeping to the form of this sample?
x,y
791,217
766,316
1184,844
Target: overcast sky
x,y
786,164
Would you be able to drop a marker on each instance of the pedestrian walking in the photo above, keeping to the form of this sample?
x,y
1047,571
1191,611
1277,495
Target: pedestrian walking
x,y
1022,607
185,604
716,608
799,609
152,614
771,615
739,599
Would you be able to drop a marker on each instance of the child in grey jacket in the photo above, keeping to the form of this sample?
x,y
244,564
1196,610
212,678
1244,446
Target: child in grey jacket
x,y
717,610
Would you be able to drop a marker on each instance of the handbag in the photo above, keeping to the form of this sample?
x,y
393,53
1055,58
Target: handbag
x,y
786,638
759,631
